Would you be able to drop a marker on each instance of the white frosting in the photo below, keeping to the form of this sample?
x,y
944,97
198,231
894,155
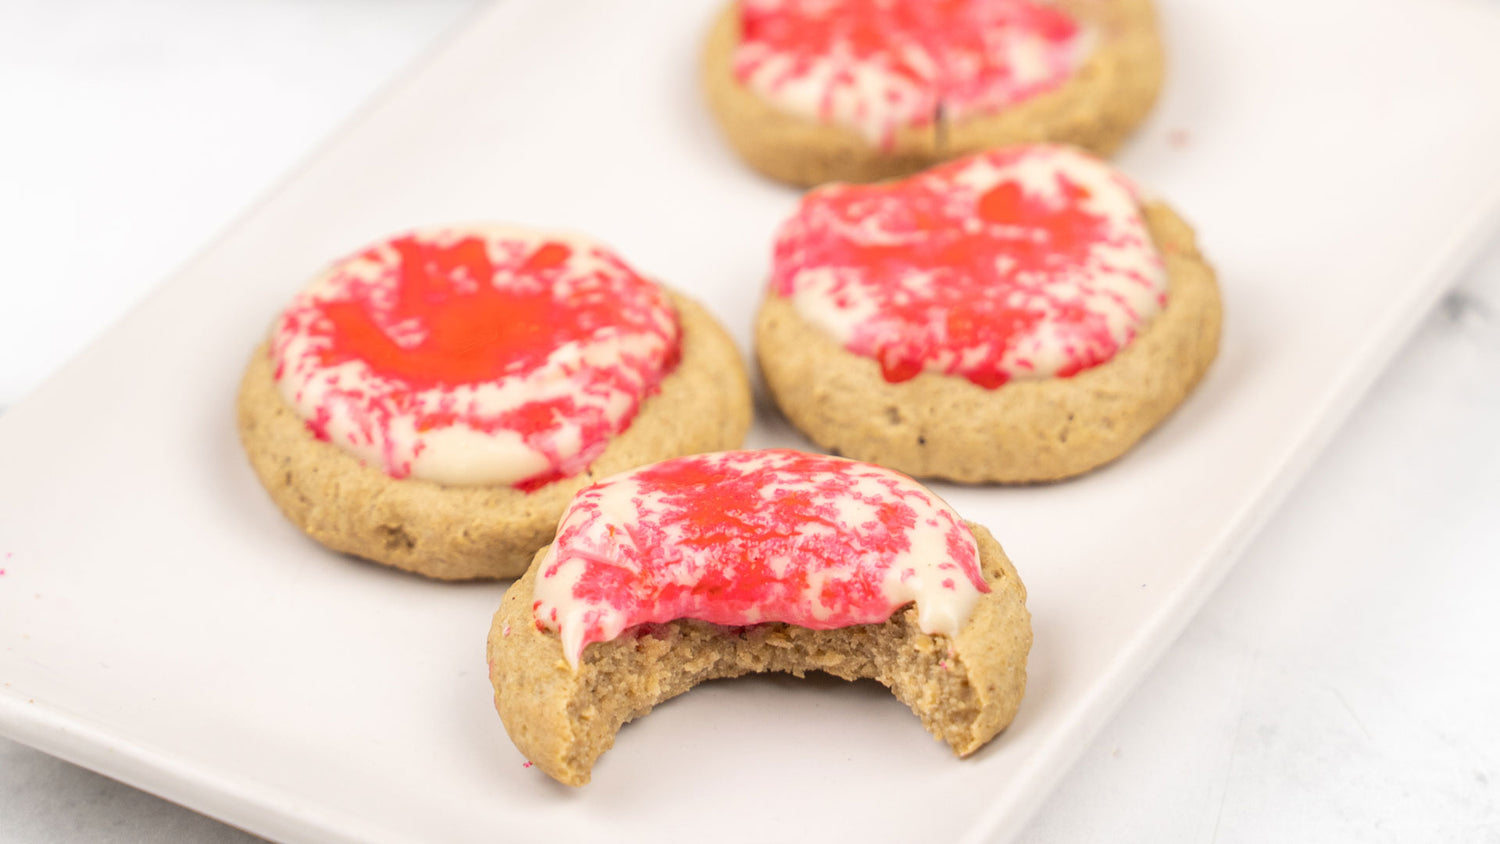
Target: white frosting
x,y
1080,307
374,418
909,61
775,529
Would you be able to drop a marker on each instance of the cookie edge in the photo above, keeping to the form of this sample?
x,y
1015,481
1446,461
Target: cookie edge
x,y
480,532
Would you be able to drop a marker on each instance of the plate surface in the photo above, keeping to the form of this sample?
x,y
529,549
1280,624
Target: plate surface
x,y
161,623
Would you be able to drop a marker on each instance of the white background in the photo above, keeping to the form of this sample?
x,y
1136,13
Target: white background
x,y
1342,685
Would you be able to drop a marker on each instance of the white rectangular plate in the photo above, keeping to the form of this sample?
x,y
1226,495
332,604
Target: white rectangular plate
x,y
161,623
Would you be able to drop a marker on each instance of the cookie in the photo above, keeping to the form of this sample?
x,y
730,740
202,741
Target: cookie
x,y
722,565
811,91
433,402
1013,317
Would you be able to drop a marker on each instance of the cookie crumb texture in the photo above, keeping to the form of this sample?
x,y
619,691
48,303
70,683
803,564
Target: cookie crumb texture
x,y
1095,107
463,532
965,689
938,425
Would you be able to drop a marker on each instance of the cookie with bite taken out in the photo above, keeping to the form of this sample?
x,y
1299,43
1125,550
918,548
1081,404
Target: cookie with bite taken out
x,y
721,565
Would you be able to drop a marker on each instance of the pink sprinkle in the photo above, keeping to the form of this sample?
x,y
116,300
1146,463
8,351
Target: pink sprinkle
x,y
943,664
2,572
526,765
505,631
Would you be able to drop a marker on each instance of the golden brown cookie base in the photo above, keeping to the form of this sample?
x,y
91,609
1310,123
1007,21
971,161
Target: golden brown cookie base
x,y
937,425
965,690
468,532
1096,109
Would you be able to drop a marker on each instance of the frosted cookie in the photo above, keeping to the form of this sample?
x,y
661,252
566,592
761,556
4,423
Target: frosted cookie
x,y
811,91
433,401
1015,316
728,564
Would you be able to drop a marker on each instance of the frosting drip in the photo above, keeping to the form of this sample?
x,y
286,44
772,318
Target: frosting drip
x,y
745,537
1026,262
475,356
878,65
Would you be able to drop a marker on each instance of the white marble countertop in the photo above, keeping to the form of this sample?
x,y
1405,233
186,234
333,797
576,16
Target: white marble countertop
x,y
1340,686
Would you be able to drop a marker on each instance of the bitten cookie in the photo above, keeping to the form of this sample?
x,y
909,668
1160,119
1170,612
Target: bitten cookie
x,y
1012,317
728,564
812,91
434,401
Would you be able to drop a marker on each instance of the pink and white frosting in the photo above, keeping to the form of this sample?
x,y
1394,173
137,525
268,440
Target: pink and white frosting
x,y
744,537
1018,263
878,65
480,355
